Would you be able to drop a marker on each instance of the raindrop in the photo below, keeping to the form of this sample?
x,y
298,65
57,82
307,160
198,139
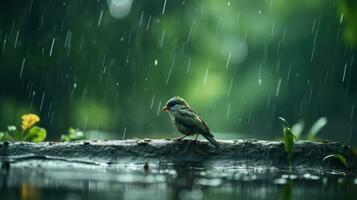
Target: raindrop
x,y
269,102
141,18
310,96
260,12
273,28
152,101
228,110
228,3
100,18
283,36
278,88
341,18
189,34
158,109
162,38
30,8
12,27
4,44
344,73
259,75
156,62
188,65
169,74
52,44
16,38
81,44
301,107
314,45
148,24
205,79
338,33
326,78
124,133
32,98
22,66
289,72
66,42
164,7
74,85
53,116
42,99
228,59
49,110
230,87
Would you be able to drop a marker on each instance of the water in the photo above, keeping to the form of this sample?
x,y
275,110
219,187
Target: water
x,y
193,180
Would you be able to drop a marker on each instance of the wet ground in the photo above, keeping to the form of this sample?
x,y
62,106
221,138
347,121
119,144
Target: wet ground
x,y
189,180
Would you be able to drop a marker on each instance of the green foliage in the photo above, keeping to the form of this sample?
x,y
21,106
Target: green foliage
x,y
4,136
338,157
316,127
288,138
73,135
298,129
30,132
35,134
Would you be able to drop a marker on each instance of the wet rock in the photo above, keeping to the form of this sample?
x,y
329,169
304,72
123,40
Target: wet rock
x,y
247,152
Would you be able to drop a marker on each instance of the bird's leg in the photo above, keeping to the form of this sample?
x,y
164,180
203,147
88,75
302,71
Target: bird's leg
x,y
180,138
196,138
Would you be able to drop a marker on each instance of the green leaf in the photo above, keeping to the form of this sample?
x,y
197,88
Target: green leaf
x,y
14,133
297,128
35,134
285,123
288,141
339,157
4,136
316,127
288,138
65,138
73,135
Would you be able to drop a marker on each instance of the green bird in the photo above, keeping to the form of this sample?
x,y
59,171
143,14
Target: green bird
x,y
187,121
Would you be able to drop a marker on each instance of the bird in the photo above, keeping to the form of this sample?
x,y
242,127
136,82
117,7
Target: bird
x,y
187,121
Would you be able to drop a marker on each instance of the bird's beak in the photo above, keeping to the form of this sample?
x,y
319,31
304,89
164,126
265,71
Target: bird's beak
x,y
164,108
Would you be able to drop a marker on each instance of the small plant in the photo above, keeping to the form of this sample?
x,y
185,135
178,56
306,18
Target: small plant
x,y
338,157
73,135
29,130
298,128
288,139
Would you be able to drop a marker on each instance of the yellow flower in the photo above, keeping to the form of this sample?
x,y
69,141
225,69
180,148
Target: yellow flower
x,y
28,120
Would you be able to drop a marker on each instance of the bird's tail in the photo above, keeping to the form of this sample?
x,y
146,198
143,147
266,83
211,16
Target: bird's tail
x,y
212,140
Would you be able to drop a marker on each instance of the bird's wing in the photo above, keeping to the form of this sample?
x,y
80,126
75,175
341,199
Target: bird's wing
x,y
190,118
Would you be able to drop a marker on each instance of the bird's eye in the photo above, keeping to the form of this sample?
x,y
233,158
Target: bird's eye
x,y
171,104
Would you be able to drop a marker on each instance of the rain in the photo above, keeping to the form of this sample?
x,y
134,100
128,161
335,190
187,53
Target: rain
x,y
104,70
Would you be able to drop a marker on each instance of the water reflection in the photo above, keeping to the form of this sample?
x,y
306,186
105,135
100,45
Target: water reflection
x,y
153,180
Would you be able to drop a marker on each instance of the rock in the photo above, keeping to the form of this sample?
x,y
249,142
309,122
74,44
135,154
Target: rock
x,y
234,152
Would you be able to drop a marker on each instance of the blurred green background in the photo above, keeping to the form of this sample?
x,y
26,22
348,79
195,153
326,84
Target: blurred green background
x,y
109,66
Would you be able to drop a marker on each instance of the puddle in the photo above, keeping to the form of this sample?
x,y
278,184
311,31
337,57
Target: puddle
x,y
63,180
